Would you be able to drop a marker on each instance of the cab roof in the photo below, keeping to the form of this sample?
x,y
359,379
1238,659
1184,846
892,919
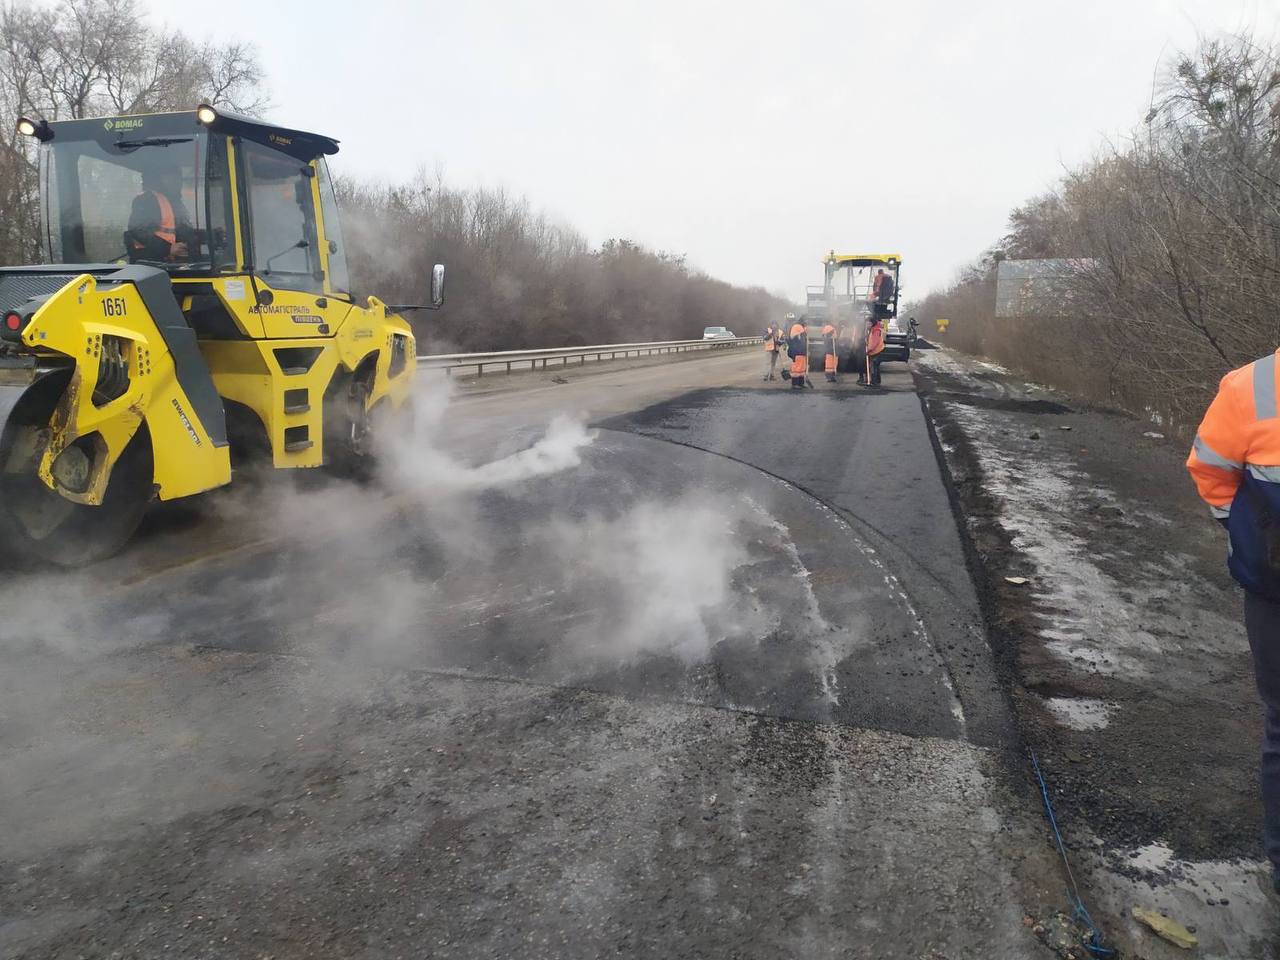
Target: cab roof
x,y
864,259
107,130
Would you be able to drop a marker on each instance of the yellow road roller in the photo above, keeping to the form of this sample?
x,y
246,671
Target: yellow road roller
x,y
195,308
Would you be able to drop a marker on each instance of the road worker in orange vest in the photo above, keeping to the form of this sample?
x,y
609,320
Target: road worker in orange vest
x,y
798,350
829,351
872,348
773,338
876,282
883,295
159,228
1235,462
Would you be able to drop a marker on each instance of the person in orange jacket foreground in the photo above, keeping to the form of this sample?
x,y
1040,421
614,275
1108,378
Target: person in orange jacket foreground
x,y
798,350
1235,463
873,347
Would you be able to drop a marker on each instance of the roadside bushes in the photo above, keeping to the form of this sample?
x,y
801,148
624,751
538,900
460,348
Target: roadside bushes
x,y
1177,233
519,279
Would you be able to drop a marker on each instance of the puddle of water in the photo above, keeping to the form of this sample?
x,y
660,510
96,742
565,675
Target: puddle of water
x,y
1080,713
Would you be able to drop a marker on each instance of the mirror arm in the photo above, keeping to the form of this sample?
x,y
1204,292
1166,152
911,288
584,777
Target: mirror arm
x,y
402,307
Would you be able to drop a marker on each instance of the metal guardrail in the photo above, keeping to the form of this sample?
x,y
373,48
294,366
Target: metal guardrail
x,y
605,351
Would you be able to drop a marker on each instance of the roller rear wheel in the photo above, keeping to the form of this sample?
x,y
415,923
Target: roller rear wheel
x,y
37,524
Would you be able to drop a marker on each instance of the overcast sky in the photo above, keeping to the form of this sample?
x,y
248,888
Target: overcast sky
x,y
752,137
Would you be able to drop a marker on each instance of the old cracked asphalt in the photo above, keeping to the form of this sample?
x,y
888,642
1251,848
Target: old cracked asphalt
x,y
719,689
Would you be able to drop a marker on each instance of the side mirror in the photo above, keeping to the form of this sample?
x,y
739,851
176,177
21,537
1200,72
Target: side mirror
x,y
437,285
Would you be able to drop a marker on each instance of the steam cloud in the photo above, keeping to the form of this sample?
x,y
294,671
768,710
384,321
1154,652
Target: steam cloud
x,y
500,566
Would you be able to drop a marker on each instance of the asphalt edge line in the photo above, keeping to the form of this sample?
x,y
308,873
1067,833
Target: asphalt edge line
x,y
982,585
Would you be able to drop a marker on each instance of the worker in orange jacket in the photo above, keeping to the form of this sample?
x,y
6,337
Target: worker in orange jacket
x,y
772,340
798,350
829,351
873,346
1235,463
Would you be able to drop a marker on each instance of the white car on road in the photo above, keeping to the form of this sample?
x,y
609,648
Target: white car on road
x,y
718,333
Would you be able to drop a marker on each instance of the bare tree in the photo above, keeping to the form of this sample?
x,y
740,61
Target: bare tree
x,y
1180,227
84,58
520,279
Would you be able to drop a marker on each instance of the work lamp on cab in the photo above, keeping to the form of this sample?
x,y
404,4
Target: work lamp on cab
x,y
206,114
35,128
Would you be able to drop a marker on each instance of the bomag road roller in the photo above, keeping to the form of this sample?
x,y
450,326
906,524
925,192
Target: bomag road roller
x,y
195,303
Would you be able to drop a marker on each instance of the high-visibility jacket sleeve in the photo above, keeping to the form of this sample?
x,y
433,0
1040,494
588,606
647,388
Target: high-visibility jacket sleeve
x,y
1221,448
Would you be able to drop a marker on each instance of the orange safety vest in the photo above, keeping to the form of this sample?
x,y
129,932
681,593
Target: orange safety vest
x,y
799,350
829,338
770,340
875,339
1235,462
168,230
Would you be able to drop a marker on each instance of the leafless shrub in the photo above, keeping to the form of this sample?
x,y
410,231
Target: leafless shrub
x,y
518,278
1181,225
85,58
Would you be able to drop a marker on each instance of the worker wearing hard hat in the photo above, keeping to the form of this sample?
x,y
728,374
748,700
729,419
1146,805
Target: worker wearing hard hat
x,y
829,351
798,349
1235,463
772,340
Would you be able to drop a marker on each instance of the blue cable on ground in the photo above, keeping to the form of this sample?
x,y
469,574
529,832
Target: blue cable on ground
x,y
1094,945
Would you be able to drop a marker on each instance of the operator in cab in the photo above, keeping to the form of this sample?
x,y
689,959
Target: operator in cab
x,y
159,227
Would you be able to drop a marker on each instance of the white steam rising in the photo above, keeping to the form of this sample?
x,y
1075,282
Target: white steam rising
x,y
663,577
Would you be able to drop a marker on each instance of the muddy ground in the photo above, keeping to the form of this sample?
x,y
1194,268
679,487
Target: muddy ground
x,y
1123,652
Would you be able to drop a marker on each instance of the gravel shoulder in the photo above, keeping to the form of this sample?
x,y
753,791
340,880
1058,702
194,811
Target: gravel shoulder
x,y
1118,635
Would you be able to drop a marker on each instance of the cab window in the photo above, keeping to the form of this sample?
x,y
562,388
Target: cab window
x,y
339,278
99,200
282,219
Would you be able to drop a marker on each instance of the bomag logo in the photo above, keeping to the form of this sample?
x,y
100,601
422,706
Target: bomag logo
x,y
186,421
276,138
121,123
